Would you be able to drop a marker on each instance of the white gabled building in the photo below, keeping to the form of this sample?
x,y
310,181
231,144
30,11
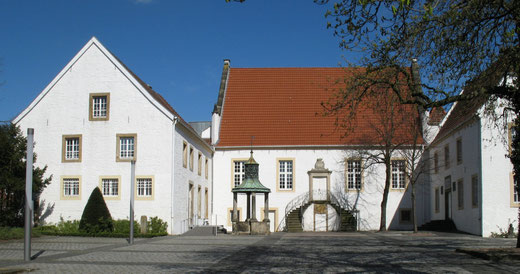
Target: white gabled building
x,y
471,181
281,108
92,120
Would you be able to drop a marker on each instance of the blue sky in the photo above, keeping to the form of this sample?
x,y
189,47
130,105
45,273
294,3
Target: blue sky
x,y
177,47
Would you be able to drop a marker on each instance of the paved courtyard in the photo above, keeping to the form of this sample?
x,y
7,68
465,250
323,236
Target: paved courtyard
x,y
394,252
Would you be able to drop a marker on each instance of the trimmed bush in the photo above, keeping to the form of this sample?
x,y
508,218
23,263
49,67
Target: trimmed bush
x,y
157,226
96,217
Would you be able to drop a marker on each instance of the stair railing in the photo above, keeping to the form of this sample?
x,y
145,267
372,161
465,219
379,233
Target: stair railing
x,y
295,203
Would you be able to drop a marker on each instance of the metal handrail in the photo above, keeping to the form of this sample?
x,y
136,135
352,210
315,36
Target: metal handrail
x,y
295,203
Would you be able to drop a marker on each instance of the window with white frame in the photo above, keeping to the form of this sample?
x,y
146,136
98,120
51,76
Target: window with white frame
x,y
354,174
110,187
126,147
398,174
71,151
238,173
285,174
99,106
144,187
70,187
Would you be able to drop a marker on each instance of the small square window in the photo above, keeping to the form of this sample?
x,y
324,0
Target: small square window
x,y
99,106
405,216
110,187
144,188
71,148
70,188
126,147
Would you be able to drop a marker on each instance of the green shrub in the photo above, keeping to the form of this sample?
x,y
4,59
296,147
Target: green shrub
x,y
96,217
8,233
123,227
157,226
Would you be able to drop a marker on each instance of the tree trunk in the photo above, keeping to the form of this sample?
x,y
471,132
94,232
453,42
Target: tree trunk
x,y
413,209
518,235
388,166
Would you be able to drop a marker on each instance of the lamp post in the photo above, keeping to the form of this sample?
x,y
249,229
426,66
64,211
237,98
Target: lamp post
x,y
28,195
132,186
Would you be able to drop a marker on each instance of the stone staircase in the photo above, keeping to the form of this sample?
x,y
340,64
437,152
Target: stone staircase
x,y
294,219
348,221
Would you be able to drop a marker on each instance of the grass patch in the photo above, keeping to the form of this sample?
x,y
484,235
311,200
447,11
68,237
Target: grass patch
x,y
9,233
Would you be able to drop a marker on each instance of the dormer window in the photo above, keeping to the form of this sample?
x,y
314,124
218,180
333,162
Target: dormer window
x,y
99,107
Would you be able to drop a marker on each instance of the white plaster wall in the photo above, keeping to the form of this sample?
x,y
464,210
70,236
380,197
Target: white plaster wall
x,y
498,209
65,110
183,177
367,201
467,219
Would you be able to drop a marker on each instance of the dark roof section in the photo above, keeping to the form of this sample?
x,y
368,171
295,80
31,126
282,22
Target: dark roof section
x,y
223,84
436,116
462,112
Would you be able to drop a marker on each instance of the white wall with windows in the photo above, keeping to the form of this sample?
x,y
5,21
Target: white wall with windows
x,y
90,122
284,171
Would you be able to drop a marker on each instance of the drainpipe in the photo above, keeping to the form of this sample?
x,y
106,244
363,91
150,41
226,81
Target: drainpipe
x,y
480,186
175,120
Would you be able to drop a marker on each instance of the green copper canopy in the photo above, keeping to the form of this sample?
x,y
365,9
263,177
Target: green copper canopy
x,y
251,182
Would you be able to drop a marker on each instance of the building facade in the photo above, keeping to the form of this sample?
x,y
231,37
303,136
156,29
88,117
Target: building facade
x,y
96,117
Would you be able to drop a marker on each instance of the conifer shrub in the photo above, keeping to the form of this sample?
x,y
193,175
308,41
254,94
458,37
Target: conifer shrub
x,y
96,217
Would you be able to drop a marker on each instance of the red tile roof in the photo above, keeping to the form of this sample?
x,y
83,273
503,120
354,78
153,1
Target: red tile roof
x,y
282,107
436,116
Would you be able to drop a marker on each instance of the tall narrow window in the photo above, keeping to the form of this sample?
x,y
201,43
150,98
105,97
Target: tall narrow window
x,y
144,187
353,175
71,148
184,154
398,174
199,202
99,106
206,203
285,175
474,190
459,151
191,158
126,147
516,194
199,164
447,157
110,187
206,168
460,193
238,173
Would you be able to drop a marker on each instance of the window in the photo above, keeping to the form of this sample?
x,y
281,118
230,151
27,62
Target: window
x,y
436,162
144,188
110,187
71,148
99,106
206,168
460,193
459,151
70,188
405,216
126,147
354,175
285,174
437,200
184,154
199,202
511,134
206,203
199,167
474,190
191,158
447,157
238,172
398,174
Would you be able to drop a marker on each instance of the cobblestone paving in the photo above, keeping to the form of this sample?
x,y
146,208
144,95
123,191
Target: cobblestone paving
x,y
367,252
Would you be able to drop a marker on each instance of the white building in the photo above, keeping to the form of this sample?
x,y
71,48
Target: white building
x,y
472,182
276,112
92,120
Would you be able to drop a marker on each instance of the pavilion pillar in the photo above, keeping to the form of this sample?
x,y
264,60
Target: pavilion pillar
x,y
266,206
248,206
254,206
235,213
